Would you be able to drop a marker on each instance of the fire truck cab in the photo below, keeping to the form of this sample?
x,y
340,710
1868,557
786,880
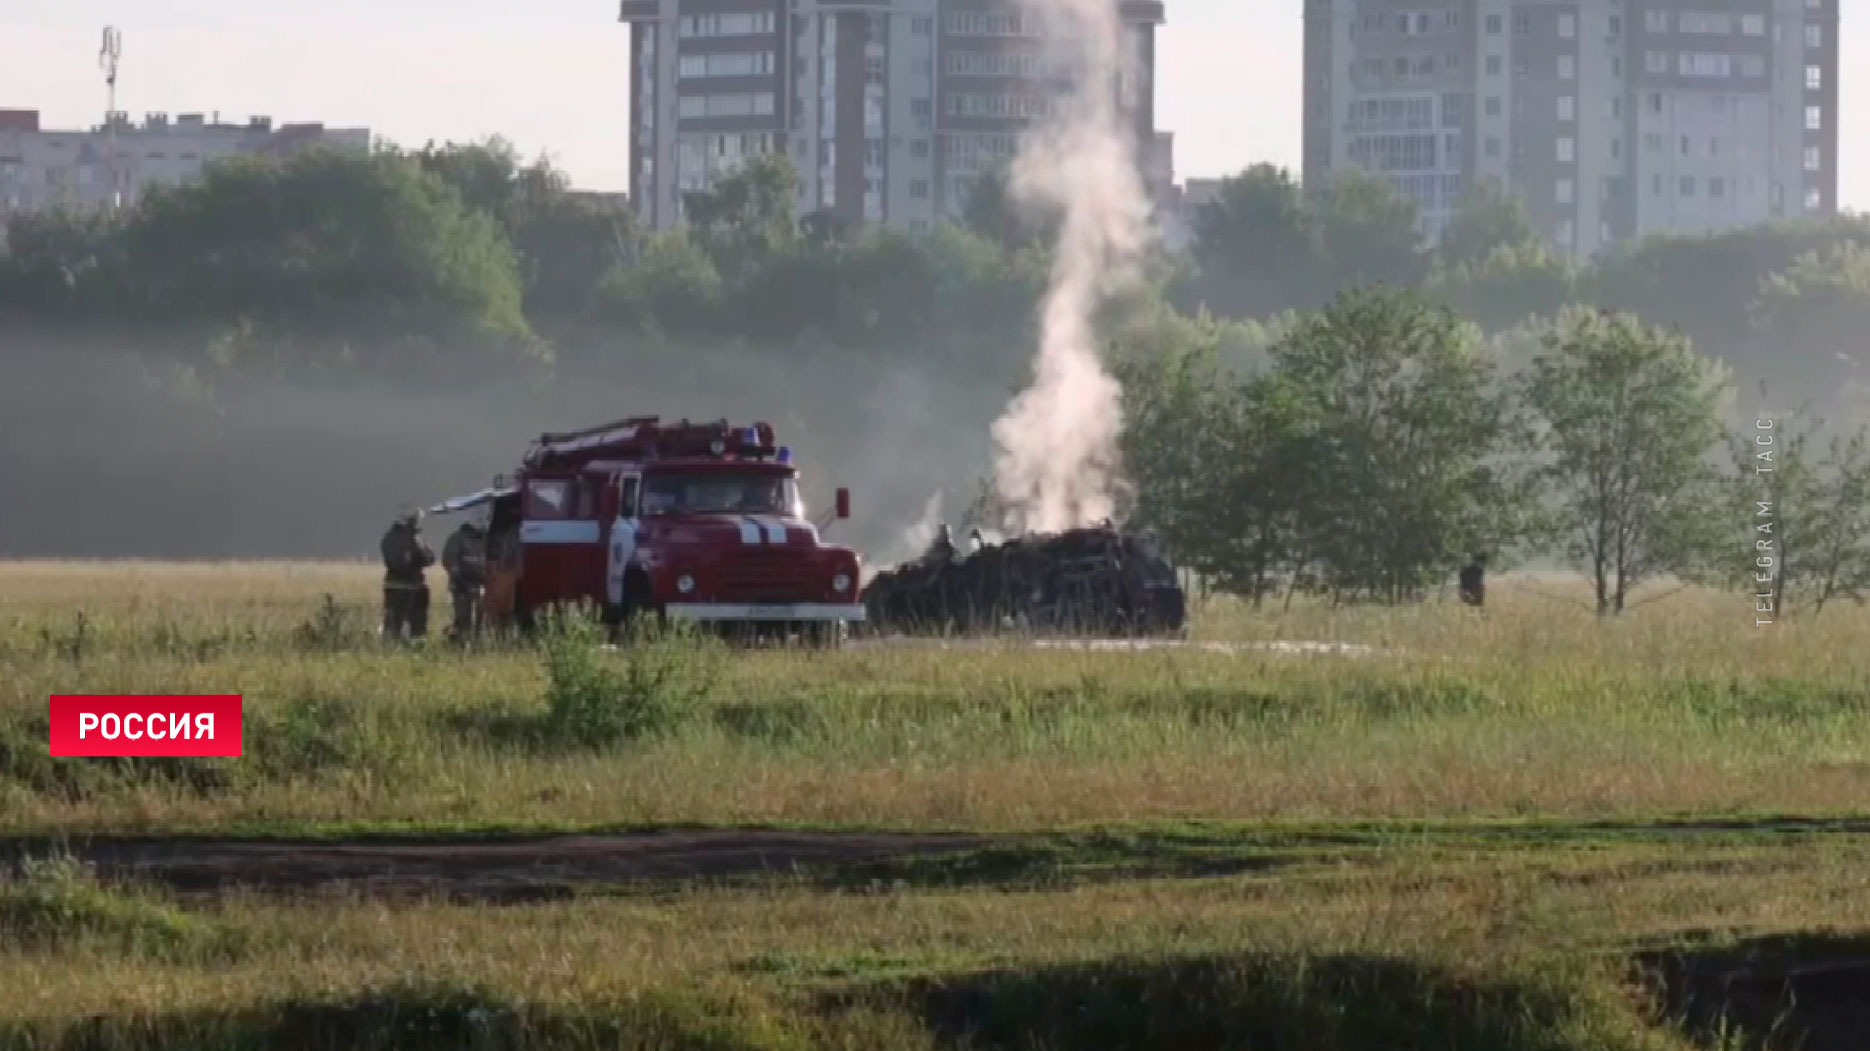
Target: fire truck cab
x,y
700,522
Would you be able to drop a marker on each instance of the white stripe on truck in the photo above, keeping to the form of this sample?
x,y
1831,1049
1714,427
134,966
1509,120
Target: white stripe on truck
x,y
559,532
764,611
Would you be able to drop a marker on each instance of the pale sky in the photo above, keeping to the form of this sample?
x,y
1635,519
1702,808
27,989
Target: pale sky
x,y
551,75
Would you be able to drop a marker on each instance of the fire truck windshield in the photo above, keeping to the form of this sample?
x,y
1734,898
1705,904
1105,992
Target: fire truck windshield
x,y
719,492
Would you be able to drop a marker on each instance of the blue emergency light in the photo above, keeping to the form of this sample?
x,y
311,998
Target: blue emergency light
x,y
751,437
785,454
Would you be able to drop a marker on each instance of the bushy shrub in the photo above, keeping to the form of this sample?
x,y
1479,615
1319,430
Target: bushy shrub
x,y
597,694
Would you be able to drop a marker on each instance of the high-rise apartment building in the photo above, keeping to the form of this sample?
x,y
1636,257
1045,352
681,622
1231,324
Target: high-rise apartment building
x,y
1611,118
889,109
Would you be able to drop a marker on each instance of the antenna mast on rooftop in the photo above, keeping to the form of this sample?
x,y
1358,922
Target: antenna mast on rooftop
x,y
107,56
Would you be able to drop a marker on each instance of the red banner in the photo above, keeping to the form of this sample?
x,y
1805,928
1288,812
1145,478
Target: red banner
x,y
146,724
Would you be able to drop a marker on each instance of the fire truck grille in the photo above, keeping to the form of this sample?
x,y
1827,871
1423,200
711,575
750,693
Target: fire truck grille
x,y
765,579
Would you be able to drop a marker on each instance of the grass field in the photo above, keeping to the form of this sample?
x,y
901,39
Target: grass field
x,y
1524,829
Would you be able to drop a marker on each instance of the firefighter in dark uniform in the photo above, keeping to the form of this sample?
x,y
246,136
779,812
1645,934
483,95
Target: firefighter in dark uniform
x,y
1474,582
464,556
405,589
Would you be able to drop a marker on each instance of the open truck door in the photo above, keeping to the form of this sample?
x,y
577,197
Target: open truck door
x,y
503,547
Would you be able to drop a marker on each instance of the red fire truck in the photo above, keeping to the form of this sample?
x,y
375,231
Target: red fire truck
x,y
695,521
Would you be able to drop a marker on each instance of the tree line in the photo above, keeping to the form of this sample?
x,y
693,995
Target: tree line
x,y
419,259
1316,397
1383,441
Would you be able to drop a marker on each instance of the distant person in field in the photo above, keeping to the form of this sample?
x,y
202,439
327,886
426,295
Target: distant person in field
x,y
405,587
464,556
1474,582
941,549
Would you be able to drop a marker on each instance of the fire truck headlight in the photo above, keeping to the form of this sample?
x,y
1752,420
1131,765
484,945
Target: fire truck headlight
x,y
841,583
684,583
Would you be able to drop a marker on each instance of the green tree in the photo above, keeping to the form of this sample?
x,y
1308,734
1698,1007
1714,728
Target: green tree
x,y
1627,416
62,261
329,257
1708,284
746,219
1256,244
565,245
672,288
1394,411
1507,286
1367,232
1488,219
1814,314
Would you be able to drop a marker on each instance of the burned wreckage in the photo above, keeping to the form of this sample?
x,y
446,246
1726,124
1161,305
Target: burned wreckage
x,y
1091,581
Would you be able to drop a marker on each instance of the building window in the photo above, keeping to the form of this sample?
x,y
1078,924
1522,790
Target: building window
x,y
1567,108
1493,25
745,23
1814,35
1814,118
1656,61
1688,186
1492,147
1563,191
1656,21
1522,23
1814,78
1707,23
1567,149
1753,25
1565,232
1493,106
1717,187
1616,24
1567,67
921,26
731,64
1706,64
1567,25
1813,199
918,188
1813,158
1655,102
919,148
1519,65
1752,65
1493,65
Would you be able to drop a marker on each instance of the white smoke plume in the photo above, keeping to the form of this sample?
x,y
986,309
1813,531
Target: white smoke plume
x,y
1057,464
916,539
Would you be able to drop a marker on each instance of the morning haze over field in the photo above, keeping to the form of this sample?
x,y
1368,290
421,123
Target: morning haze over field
x,y
1223,713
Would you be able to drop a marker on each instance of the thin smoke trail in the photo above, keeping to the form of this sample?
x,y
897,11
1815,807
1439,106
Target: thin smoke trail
x,y
1057,465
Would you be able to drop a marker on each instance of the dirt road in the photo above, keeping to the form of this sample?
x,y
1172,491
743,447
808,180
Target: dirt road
x,y
495,870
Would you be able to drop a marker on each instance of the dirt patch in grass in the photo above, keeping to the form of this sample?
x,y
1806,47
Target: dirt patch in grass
x,y
509,870
1323,1003
1782,993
